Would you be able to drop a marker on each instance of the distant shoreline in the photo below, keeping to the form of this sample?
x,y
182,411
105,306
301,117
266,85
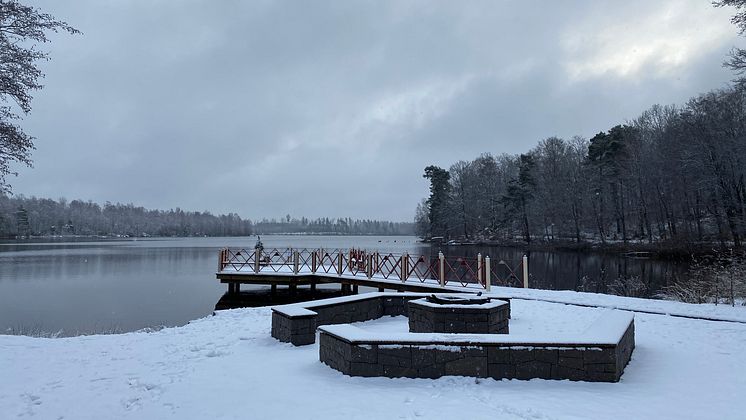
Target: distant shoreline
x,y
117,237
659,250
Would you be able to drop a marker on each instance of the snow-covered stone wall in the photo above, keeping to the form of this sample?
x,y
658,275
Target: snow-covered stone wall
x,y
355,353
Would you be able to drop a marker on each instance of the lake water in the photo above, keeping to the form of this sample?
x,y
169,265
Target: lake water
x,y
115,286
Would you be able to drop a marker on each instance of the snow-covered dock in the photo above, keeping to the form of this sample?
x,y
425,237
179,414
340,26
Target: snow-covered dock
x,y
352,268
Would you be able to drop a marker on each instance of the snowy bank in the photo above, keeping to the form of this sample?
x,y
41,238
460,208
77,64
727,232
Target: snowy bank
x,y
228,366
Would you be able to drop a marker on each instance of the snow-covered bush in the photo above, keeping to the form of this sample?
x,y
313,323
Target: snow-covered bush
x,y
720,278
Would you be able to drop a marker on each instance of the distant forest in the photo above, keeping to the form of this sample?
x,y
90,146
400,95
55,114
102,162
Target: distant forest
x,y
344,226
22,216
673,175
43,217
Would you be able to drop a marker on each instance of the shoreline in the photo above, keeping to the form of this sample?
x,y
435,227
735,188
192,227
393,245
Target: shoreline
x,y
656,251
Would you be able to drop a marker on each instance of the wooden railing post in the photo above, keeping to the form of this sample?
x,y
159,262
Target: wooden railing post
x,y
442,269
295,262
487,273
525,272
480,278
404,269
220,259
340,258
257,257
313,260
369,265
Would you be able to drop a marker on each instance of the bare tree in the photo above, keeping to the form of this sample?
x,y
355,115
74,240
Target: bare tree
x,y
22,28
737,58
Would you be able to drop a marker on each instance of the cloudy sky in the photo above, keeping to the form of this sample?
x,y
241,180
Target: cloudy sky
x,y
266,108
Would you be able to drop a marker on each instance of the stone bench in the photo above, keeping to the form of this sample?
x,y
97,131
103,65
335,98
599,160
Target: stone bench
x,y
599,354
297,323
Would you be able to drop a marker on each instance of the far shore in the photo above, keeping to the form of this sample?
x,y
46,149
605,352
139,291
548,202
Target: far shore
x,y
633,249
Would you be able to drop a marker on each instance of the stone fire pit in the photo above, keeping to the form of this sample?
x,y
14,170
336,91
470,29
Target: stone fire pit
x,y
458,314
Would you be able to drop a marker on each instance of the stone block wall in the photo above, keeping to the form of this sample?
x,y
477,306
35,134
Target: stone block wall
x,y
489,318
347,312
298,330
597,363
301,329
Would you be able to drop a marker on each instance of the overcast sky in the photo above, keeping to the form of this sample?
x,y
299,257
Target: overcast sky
x,y
266,108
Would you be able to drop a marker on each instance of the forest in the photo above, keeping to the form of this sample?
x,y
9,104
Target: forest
x,y
673,177
22,216
327,226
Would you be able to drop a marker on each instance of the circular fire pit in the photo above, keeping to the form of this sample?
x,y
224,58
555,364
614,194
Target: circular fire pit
x,y
457,300
458,314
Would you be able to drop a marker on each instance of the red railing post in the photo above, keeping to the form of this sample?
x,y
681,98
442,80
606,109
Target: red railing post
x,y
488,273
480,277
441,269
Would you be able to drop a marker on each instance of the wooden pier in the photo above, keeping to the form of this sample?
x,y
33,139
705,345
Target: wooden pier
x,y
352,268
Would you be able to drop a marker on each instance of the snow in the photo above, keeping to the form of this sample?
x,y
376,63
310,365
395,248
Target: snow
x,y
306,308
607,329
331,272
487,305
664,307
228,367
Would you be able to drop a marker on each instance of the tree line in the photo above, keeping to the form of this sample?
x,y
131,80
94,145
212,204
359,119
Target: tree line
x,y
340,226
32,216
674,174
22,216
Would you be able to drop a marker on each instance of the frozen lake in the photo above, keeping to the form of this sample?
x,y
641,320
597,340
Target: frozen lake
x,y
124,285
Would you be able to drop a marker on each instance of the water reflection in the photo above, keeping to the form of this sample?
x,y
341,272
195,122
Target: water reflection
x,y
582,271
85,287
263,296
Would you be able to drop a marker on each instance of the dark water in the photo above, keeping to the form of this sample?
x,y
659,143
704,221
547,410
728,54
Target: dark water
x,y
116,286
584,271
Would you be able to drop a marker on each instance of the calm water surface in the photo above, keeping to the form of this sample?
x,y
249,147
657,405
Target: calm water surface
x,y
85,287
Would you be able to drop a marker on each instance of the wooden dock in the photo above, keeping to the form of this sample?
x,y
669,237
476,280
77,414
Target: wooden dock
x,y
352,268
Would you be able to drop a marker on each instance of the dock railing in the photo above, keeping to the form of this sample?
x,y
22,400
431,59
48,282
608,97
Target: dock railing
x,y
460,271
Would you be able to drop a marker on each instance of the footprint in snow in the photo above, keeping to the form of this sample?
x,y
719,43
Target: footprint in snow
x,y
131,403
215,353
32,399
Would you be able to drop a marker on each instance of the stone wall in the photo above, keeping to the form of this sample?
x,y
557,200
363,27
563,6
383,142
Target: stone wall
x,y
589,362
290,325
488,318
299,327
298,330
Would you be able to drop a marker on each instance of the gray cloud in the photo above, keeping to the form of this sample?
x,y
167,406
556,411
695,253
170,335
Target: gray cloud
x,y
334,108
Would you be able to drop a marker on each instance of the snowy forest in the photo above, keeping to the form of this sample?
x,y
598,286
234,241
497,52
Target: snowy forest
x,y
22,216
673,177
327,226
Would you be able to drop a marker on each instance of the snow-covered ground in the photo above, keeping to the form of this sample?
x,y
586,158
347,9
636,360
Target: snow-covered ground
x,y
227,366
